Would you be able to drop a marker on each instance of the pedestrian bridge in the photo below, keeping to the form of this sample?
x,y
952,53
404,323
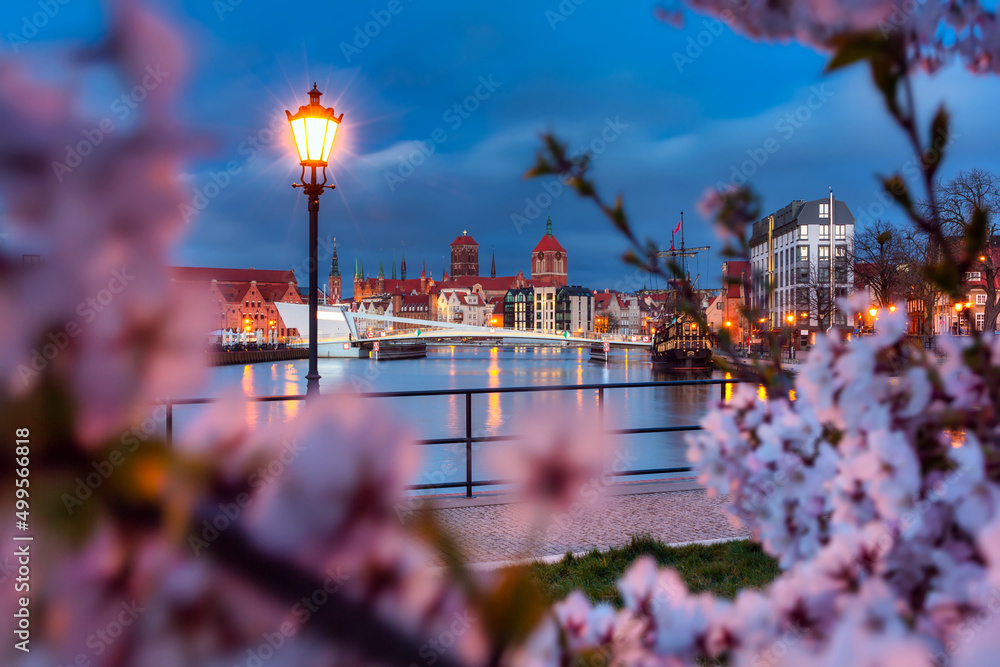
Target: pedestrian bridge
x,y
369,328
342,330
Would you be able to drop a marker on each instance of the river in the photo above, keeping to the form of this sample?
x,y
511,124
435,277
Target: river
x,y
460,367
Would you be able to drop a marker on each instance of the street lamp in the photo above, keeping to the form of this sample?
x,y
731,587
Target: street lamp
x,y
791,323
314,127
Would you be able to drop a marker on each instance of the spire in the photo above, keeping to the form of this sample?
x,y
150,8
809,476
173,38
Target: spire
x,y
362,269
381,271
334,266
423,270
402,266
548,225
393,264
357,271
493,264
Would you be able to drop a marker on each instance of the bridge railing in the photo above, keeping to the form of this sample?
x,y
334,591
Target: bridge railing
x,y
469,440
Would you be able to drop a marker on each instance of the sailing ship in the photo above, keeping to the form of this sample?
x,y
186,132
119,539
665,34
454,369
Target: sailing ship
x,y
680,342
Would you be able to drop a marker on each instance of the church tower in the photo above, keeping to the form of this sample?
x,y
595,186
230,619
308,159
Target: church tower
x,y
402,267
464,256
548,259
333,282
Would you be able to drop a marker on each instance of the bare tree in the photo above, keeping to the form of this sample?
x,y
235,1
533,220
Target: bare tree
x,y
918,254
880,261
812,288
968,206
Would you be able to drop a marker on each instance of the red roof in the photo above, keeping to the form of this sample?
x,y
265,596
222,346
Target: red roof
x,y
549,243
735,270
602,300
465,239
498,284
207,274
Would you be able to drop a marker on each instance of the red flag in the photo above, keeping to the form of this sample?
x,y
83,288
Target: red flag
x,y
678,227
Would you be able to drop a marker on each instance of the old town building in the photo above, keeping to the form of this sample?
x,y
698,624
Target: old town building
x,y
245,298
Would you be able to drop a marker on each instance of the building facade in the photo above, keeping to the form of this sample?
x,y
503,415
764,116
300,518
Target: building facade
x,y
245,298
519,310
574,309
464,307
802,251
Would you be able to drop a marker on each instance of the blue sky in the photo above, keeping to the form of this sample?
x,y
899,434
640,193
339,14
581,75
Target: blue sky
x,y
674,119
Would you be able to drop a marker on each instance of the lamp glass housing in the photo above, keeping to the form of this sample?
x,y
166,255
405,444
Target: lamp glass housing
x,y
314,128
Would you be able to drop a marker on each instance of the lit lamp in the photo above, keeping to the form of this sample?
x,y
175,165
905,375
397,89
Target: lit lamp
x,y
790,318
873,312
314,127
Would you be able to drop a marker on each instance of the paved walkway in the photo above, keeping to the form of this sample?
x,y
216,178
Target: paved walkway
x,y
503,532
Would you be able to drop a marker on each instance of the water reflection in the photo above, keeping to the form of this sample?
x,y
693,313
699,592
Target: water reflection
x,y
458,367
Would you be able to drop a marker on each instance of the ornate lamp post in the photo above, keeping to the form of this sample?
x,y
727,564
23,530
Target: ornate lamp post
x,y
314,127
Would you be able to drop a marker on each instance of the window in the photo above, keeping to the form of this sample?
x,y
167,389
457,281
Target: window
x,y
803,275
804,233
803,253
824,232
973,276
824,252
841,251
824,274
980,300
980,321
824,210
841,232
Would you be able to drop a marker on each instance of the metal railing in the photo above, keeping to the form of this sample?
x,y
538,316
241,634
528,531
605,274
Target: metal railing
x,y
468,439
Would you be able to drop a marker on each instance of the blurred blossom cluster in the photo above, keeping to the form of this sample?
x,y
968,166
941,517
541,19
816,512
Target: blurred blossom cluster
x,y
934,30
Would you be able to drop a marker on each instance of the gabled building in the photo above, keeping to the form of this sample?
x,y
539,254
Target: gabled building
x,y
245,298
736,285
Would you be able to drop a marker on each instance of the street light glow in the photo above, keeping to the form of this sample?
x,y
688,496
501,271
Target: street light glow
x,y
873,312
314,127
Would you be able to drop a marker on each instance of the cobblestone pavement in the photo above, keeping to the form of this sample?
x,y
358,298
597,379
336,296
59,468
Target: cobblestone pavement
x,y
493,533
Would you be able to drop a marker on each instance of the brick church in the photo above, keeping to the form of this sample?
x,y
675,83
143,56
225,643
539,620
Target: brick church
x,y
548,266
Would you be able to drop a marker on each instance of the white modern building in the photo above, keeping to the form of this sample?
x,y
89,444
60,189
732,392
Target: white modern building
x,y
796,250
